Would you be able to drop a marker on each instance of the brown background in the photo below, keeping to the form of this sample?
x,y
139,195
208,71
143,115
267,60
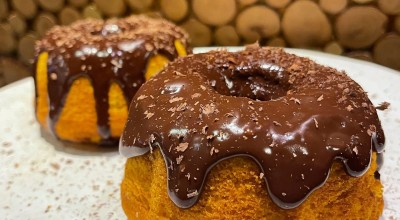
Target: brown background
x,y
364,29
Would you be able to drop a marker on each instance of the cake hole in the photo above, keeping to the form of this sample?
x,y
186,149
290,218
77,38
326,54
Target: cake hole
x,y
260,82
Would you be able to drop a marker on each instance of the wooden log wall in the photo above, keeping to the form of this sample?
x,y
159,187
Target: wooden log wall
x,y
363,29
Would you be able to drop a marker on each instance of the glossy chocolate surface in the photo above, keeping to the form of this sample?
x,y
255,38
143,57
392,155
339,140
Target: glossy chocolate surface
x,y
291,115
104,52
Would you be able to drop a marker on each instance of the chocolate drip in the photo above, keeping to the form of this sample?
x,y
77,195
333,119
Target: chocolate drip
x,y
294,123
104,52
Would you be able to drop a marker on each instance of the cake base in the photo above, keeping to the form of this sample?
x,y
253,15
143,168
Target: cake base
x,y
234,190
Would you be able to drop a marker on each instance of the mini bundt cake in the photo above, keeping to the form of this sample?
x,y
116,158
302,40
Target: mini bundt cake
x,y
87,73
254,134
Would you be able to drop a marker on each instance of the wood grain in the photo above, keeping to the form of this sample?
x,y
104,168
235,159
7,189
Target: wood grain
x,y
199,33
91,11
226,36
360,26
278,3
311,29
44,22
174,10
333,6
26,49
387,51
18,23
140,5
7,40
257,22
334,48
389,7
26,8
213,12
112,8
68,15
78,3
3,9
51,5
276,42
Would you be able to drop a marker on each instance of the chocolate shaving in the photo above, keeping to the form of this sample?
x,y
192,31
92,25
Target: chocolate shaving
x,y
204,129
277,123
116,63
320,98
53,76
176,99
229,115
192,194
383,106
349,108
152,138
315,122
196,95
141,97
355,150
181,107
148,114
208,109
179,159
371,130
295,100
179,73
342,99
182,147
232,60
182,168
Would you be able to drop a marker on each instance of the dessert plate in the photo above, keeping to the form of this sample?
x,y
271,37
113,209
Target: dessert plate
x,y
42,178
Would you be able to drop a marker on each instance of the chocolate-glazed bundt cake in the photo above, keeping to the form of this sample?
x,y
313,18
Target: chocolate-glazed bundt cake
x,y
254,134
87,73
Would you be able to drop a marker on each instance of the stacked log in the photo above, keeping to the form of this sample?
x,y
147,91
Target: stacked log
x,y
363,29
310,29
174,10
257,22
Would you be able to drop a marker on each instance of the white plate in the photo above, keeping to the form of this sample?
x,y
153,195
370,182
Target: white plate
x,y
45,179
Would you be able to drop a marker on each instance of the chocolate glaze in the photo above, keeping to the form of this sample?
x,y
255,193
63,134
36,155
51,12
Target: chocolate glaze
x,y
291,115
104,52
